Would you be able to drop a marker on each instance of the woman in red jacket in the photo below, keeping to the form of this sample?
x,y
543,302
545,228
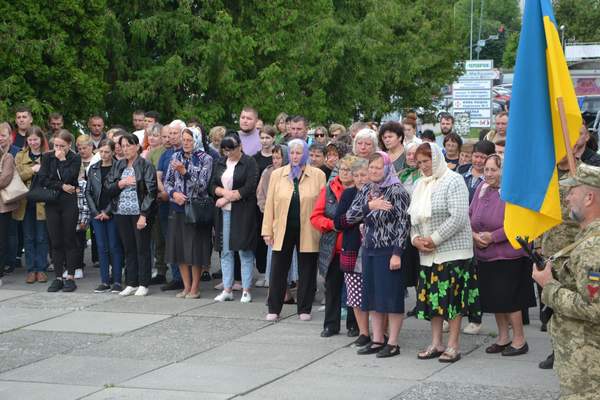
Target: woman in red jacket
x,y
330,247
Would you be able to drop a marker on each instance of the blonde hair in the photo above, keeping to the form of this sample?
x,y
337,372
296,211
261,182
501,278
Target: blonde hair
x,y
349,160
218,132
84,140
366,133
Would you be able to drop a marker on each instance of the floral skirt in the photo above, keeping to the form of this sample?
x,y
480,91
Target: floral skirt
x,y
448,290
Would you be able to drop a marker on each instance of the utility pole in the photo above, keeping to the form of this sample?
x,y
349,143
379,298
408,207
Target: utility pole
x,y
480,24
471,38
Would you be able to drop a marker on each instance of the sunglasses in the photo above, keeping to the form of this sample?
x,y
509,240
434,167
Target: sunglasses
x,y
319,135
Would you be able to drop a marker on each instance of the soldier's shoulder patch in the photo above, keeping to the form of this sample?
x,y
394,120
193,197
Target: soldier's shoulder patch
x,y
594,276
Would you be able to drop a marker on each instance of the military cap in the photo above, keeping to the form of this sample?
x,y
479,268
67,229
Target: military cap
x,y
585,175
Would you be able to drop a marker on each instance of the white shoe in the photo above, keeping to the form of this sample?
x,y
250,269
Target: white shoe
x,y
128,291
219,286
79,273
321,309
246,298
472,328
446,327
65,274
260,283
224,296
141,291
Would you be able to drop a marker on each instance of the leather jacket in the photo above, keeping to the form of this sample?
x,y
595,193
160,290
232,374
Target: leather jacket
x,y
146,186
94,188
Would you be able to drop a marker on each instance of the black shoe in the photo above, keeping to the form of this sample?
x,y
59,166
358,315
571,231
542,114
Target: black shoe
x,y
497,348
326,332
371,348
116,288
412,313
388,351
544,327
217,275
205,277
548,363
353,332
362,341
56,285
102,288
173,285
158,280
69,285
511,351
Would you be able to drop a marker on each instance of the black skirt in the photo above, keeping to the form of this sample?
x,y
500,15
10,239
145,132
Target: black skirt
x,y
187,243
506,286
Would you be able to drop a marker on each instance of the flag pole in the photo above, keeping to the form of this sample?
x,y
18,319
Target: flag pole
x,y
565,132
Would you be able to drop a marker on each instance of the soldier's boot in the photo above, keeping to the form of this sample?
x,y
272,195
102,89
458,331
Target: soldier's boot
x,y
548,363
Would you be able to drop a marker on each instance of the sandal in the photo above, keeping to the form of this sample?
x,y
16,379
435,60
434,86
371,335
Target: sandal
x,y
429,353
372,348
388,351
451,355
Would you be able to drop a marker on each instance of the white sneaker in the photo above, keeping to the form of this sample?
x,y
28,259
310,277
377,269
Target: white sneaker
x,y
224,296
65,274
246,298
219,286
260,283
472,328
141,291
128,291
79,273
446,327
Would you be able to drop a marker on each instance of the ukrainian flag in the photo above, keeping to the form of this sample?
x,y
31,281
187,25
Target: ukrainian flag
x,y
534,142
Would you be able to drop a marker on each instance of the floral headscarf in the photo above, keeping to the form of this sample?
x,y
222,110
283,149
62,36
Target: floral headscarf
x,y
197,135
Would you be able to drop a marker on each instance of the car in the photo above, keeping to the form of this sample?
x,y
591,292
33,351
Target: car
x,y
590,106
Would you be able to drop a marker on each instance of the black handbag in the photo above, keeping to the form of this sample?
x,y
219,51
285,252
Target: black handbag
x,y
40,194
200,211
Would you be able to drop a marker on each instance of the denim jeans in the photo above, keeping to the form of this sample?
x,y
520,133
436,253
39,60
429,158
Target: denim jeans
x,y
35,237
163,215
110,251
292,275
246,258
12,243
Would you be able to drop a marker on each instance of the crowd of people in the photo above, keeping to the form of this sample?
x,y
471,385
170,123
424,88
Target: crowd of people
x,y
373,209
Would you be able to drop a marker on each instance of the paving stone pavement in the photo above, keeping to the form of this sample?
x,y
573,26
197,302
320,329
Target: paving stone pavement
x,y
91,346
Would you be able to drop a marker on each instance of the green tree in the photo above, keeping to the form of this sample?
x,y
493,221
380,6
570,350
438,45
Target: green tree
x,y
580,18
509,58
52,57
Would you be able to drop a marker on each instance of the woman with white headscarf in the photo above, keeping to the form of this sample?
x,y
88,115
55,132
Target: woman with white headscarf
x,y
293,191
382,207
188,177
441,231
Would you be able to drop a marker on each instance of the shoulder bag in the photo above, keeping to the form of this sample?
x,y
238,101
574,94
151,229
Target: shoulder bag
x,y
15,190
200,211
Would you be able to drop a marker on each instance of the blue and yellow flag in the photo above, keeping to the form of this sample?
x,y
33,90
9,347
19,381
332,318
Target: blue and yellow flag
x,y
534,141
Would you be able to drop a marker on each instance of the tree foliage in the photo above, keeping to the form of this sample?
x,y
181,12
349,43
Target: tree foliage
x,y
580,18
326,59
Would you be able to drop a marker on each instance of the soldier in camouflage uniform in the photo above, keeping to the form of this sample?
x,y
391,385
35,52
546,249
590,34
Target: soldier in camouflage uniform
x,y
571,286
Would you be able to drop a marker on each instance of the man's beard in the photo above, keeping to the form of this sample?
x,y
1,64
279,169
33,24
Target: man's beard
x,y
575,215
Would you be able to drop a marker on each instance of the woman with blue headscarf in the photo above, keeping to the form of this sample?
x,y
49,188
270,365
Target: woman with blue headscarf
x,y
382,207
291,197
188,177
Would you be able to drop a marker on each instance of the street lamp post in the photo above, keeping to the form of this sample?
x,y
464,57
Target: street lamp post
x,y
562,37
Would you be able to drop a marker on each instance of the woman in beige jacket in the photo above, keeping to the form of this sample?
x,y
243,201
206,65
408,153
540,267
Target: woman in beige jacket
x,y
32,214
7,169
293,191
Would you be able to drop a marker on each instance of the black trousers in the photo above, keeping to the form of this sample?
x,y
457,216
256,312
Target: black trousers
x,y
307,275
61,220
81,245
334,283
136,247
261,247
4,226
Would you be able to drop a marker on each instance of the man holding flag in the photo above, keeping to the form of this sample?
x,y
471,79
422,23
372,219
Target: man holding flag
x,y
544,121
